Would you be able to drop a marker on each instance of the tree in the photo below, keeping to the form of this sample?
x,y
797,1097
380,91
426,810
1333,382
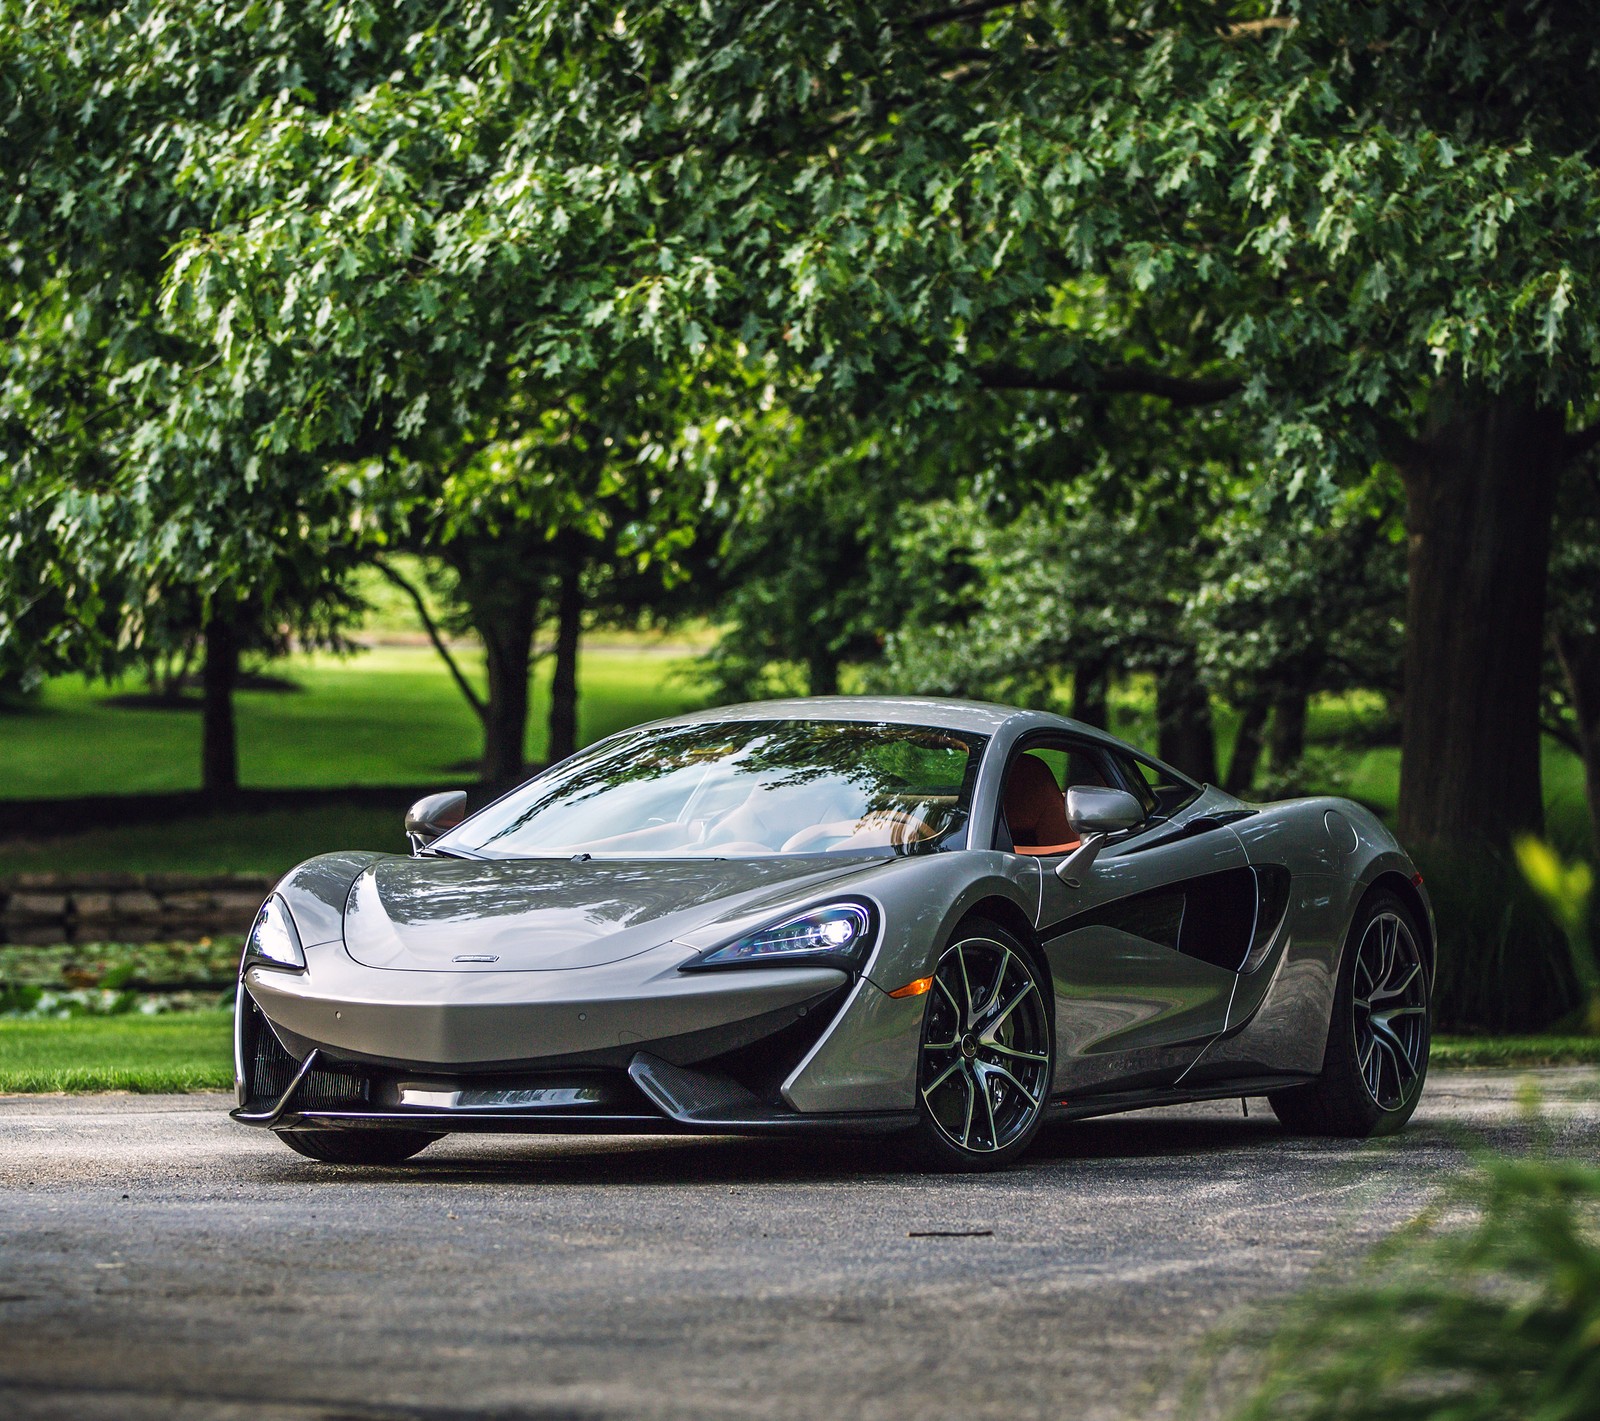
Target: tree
x,y
546,511
1372,227
1058,589
137,493
1293,601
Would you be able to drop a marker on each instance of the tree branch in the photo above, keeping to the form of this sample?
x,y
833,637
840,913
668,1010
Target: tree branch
x,y
431,627
1117,380
957,13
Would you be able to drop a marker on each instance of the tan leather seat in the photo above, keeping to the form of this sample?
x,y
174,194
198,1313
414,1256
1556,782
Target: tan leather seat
x,y
1036,809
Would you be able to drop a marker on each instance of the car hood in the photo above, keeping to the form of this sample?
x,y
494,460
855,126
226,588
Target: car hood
x,y
540,915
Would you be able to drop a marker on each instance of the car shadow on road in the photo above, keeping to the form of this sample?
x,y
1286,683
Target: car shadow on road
x,y
698,1160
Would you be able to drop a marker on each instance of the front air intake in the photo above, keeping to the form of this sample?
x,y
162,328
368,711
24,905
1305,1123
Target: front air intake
x,y
271,1070
269,1067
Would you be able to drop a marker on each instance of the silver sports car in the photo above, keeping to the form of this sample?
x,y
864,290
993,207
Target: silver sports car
x,y
942,919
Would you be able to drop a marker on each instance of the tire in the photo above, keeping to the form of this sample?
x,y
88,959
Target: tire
x,y
1376,1061
986,1058
358,1146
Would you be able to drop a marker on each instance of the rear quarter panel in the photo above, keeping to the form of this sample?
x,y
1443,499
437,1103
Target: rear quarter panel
x,y
1335,851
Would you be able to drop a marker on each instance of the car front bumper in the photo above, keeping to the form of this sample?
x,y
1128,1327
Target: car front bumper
x,y
635,1045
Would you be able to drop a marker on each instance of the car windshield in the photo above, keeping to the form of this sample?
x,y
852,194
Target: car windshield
x,y
739,789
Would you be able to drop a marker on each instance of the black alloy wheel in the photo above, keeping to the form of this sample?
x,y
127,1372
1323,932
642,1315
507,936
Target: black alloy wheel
x,y
1376,1059
987,1056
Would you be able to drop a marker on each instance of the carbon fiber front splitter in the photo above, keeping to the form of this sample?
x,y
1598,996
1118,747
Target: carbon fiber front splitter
x,y
687,1101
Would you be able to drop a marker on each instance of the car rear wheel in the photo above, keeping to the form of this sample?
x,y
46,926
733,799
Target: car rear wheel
x,y
1377,1055
358,1146
987,1054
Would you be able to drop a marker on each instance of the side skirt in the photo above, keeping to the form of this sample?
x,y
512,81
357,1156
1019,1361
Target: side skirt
x,y
1114,1103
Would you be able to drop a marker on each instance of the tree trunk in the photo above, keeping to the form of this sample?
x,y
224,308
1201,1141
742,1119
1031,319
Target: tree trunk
x,y
219,748
1579,655
1091,690
822,673
1184,734
508,657
1480,494
1286,742
564,680
1246,756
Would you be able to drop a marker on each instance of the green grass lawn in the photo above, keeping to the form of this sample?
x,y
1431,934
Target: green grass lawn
x,y
147,1054
270,842
1519,1051
386,716
194,1051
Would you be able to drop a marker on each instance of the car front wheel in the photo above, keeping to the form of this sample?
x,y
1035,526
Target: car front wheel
x,y
987,1054
1378,1041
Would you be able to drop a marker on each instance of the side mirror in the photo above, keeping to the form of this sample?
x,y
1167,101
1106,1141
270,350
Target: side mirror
x,y
433,815
1094,811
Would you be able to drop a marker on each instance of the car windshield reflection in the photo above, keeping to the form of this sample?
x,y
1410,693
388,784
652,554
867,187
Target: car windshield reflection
x,y
740,789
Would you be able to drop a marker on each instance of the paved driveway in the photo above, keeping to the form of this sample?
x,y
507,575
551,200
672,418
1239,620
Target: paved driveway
x,y
158,1261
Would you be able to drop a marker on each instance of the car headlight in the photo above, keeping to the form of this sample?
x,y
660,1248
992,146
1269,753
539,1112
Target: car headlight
x,y
838,935
273,941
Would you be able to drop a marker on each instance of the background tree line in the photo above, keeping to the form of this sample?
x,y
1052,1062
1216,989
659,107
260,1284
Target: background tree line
x,y
996,348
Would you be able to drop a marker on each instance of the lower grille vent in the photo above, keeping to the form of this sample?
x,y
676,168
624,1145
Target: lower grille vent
x,y
271,1067
272,1070
329,1090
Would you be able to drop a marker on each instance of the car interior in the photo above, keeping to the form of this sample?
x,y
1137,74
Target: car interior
x,y
825,817
1035,799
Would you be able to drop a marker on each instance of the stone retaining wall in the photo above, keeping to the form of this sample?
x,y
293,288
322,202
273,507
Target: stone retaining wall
x,y
47,908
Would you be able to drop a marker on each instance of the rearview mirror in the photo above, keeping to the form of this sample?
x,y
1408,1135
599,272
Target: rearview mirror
x,y
1094,811
433,815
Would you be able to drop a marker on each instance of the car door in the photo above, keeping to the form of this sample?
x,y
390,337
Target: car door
x,y
1144,944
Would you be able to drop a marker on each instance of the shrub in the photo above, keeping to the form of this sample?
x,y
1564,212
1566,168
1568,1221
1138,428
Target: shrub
x,y
1492,1318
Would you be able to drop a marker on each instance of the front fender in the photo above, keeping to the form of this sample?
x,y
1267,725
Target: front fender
x,y
316,891
867,1059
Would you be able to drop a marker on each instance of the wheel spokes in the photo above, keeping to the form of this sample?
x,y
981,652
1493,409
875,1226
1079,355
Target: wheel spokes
x,y
1038,1056
985,990
996,1068
987,1035
999,978
950,997
1399,988
966,984
1389,1010
982,1078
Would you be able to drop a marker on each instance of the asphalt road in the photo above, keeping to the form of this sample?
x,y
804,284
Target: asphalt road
x,y
158,1261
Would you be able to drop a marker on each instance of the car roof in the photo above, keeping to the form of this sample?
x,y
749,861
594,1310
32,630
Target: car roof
x,y
941,712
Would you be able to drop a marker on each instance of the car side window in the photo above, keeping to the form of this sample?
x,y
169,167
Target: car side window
x,y
1159,789
1071,765
1033,810
1136,784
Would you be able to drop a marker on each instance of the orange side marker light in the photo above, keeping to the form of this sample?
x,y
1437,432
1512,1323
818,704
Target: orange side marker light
x,y
914,989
